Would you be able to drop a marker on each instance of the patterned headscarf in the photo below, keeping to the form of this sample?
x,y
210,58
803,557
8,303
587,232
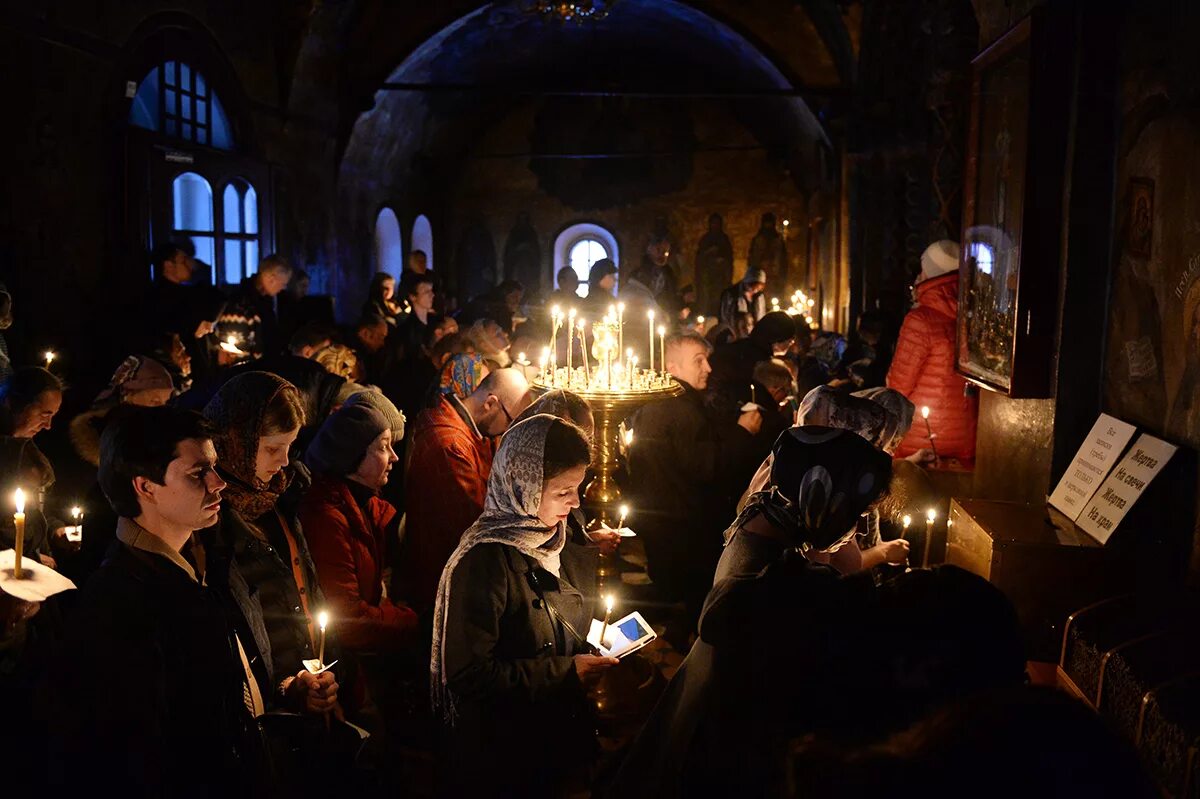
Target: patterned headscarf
x,y
821,481
899,415
236,411
828,407
509,517
462,374
136,373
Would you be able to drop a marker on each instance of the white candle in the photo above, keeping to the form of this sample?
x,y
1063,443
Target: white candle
x,y
930,518
662,341
19,521
650,315
49,356
620,326
608,606
322,622
625,508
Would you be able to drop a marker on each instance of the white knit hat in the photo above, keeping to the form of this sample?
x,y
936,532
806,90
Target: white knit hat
x,y
939,258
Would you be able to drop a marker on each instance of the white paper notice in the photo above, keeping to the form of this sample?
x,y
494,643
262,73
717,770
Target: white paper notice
x,y
1116,495
1091,465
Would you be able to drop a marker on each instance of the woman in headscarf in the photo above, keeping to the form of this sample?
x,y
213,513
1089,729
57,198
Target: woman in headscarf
x,y
509,658
380,298
257,552
718,730
462,374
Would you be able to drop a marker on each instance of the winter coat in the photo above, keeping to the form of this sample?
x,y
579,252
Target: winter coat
x,y
686,474
445,485
349,547
923,370
251,317
147,692
734,302
521,721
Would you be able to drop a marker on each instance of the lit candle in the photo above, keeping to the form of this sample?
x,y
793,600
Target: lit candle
x,y
620,326
625,508
583,352
19,543
906,521
628,440
608,606
650,315
930,518
929,431
632,372
662,342
76,533
543,362
700,322
322,622
570,343
49,356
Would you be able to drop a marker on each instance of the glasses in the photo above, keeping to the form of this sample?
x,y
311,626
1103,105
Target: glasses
x,y
507,415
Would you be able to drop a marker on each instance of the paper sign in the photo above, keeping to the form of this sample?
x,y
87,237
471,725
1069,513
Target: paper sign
x,y
1100,450
1116,495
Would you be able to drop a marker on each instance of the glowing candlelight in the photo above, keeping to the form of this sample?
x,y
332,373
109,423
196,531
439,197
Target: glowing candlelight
x,y
608,606
19,543
49,356
322,622
543,362
662,342
620,326
625,508
583,352
930,518
929,431
75,533
628,444
906,521
650,316
700,322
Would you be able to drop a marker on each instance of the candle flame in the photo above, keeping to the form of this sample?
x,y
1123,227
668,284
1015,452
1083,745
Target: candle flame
x,y
620,307
700,320
907,521
662,331
19,500
628,437
323,620
520,357
49,356
608,603
571,313
76,512
930,515
924,411
650,314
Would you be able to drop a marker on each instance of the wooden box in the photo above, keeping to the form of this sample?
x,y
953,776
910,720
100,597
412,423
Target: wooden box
x,y
1043,563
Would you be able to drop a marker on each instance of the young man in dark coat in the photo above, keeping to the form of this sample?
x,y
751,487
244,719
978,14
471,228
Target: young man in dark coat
x,y
153,693
681,465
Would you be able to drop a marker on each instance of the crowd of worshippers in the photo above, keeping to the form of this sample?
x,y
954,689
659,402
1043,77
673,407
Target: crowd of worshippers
x,y
308,554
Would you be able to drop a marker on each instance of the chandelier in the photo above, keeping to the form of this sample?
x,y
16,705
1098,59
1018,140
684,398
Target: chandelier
x,y
562,11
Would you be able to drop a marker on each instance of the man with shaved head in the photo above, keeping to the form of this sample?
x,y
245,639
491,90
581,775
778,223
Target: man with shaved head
x,y
451,458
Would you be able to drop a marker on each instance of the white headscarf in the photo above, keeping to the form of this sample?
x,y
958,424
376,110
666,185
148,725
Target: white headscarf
x,y
509,517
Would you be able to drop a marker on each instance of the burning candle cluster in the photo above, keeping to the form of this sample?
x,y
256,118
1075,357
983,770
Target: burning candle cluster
x,y
800,304
604,365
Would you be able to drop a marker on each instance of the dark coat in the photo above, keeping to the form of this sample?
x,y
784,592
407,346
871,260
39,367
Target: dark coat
x,y
685,469
775,660
522,723
146,694
272,601
251,316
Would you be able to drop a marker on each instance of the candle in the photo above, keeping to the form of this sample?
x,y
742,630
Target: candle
x,y
19,543
570,343
700,323
632,371
49,356
906,521
650,315
543,362
929,431
620,326
930,518
628,442
662,342
322,622
76,533
587,378
608,606
625,508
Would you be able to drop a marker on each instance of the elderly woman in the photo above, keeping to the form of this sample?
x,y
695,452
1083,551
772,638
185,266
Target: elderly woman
x,y
257,551
350,528
509,659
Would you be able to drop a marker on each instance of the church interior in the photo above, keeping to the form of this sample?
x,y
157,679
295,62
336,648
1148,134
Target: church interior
x,y
833,364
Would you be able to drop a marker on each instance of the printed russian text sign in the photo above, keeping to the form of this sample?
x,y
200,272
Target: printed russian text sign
x,y
1116,495
1092,463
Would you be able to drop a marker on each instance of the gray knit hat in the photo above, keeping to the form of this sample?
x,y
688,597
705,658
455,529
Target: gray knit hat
x,y
374,398
341,443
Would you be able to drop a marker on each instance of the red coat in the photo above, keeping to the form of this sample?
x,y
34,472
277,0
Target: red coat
x,y
923,370
444,488
349,549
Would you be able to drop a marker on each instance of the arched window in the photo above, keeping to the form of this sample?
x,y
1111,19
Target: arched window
x,y
176,100
422,238
239,228
389,251
579,246
192,216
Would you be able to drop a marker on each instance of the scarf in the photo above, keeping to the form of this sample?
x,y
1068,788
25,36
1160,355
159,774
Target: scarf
x,y
461,375
821,480
899,413
829,407
136,373
509,517
236,411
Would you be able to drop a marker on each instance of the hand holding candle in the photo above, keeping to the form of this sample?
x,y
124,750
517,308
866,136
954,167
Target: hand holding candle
x,y
906,521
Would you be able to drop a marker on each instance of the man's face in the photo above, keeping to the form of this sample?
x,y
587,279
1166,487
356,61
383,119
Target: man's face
x,y
423,297
37,415
190,495
688,363
608,283
512,301
756,288
274,281
179,268
373,337
417,262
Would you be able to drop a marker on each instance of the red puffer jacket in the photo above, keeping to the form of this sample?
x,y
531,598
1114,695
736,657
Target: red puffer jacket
x,y
923,370
348,548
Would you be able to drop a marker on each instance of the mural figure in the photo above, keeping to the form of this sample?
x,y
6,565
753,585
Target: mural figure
x,y
768,253
714,266
1185,409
